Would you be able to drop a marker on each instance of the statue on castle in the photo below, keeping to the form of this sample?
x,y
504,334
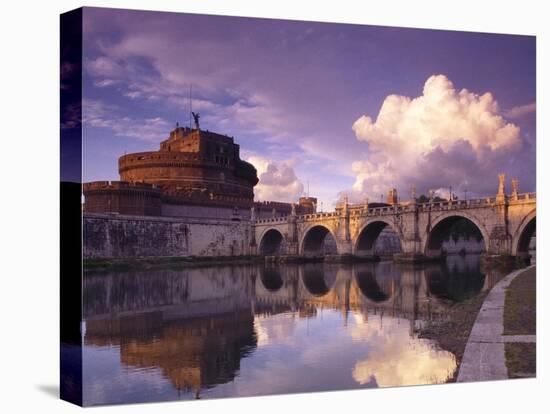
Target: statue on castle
x,y
196,117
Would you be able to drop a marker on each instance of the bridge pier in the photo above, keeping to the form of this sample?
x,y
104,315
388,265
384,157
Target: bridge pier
x,y
500,241
411,244
292,249
344,247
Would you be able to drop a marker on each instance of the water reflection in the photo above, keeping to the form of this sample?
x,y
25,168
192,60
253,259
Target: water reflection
x,y
378,282
398,359
458,279
319,278
253,330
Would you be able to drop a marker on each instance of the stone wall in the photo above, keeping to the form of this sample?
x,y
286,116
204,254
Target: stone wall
x,y
207,212
387,243
109,236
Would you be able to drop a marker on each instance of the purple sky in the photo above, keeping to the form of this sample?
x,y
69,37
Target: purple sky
x,y
296,97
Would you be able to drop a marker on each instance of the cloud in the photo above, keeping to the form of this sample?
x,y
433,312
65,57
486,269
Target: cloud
x,y
521,110
396,358
104,66
104,83
226,108
278,181
443,137
440,117
99,115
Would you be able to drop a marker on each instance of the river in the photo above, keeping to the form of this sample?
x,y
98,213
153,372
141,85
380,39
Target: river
x,y
254,330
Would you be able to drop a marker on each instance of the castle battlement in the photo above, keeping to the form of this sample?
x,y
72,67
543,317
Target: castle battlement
x,y
119,185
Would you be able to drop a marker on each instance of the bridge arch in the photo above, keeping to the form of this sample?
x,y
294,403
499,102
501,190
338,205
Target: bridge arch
x,y
368,235
441,227
271,243
318,240
524,233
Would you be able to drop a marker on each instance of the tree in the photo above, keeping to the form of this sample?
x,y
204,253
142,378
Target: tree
x,y
425,199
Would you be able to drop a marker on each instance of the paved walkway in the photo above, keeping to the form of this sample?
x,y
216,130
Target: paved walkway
x,y
484,358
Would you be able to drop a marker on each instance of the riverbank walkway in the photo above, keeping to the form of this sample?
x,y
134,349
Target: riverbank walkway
x,y
485,356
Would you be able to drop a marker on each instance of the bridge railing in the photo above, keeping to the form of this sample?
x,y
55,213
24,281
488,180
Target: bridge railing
x,y
457,204
526,196
309,216
402,208
315,216
279,219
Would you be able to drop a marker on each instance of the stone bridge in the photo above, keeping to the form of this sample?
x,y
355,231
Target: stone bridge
x,y
506,222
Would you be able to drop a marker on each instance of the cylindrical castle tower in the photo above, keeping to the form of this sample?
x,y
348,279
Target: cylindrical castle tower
x,y
196,165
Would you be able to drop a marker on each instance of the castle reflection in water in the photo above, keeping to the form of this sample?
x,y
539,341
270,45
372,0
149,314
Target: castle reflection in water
x,y
251,330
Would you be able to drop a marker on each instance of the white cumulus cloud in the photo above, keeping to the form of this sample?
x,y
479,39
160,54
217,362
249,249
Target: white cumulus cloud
x,y
278,181
445,136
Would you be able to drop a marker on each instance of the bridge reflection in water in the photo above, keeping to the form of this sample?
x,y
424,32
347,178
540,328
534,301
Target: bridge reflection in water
x,y
254,330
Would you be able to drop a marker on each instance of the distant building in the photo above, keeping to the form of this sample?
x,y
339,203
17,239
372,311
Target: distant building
x,y
308,204
392,196
195,173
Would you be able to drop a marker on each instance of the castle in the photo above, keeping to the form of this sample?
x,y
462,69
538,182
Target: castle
x,y
195,173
